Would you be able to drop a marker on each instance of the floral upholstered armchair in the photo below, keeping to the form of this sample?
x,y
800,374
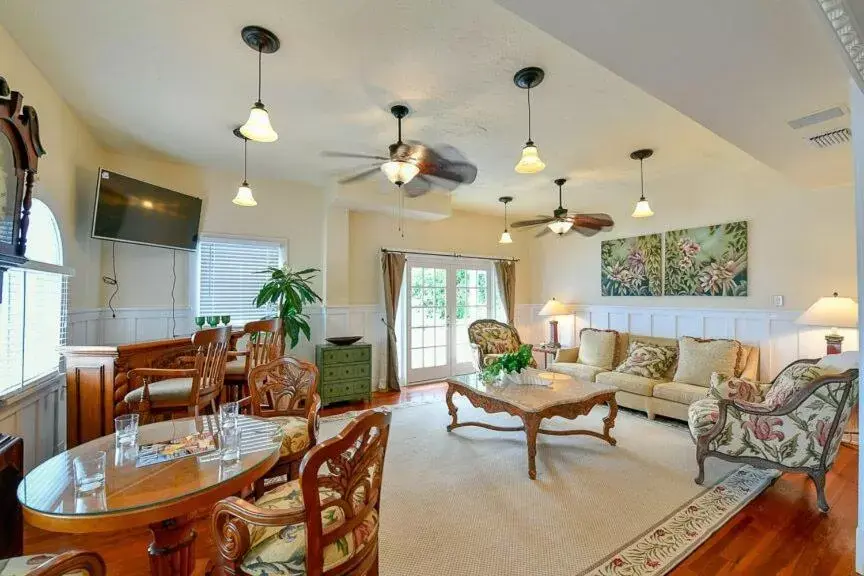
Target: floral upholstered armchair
x,y
793,424
490,339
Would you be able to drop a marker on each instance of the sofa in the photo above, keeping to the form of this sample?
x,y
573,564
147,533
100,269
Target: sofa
x,y
661,395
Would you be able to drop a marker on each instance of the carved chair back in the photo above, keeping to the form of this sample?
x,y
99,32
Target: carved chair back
x,y
493,337
266,342
11,473
211,345
351,466
283,387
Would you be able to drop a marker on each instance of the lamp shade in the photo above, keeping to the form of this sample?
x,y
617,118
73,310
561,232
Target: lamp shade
x,y
530,162
560,227
554,308
643,209
258,127
832,311
505,238
244,196
398,172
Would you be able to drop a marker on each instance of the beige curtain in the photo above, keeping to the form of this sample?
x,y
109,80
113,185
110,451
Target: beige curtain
x,y
394,269
505,271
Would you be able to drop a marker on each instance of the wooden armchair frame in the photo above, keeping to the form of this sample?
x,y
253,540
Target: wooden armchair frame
x,y
479,356
350,464
817,474
72,561
265,343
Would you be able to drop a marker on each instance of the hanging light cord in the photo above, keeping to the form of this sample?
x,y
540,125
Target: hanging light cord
x,y
529,114
259,73
245,142
642,179
505,216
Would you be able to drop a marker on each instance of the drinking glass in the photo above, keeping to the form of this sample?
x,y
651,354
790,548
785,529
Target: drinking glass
x,y
89,472
229,439
228,412
126,429
226,319
213,321
199,321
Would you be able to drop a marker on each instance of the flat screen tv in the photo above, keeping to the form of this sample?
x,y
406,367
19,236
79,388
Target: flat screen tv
x,y
128,210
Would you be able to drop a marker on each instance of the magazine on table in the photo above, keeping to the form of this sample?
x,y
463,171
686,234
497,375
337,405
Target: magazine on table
x,y
192,445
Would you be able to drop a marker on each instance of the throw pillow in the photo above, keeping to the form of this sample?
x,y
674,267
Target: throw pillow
x,y
725,387
698,359
792,379
597,347
648,360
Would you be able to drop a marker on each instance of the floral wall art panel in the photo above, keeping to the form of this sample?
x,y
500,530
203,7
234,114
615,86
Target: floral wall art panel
x,y
632,266
707,261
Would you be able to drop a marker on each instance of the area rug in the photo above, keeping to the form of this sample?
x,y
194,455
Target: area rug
x,y
461,503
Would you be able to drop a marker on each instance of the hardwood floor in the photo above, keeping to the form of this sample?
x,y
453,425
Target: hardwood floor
x,y
781,532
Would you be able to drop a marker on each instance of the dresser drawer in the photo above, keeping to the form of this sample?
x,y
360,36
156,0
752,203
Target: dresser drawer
x,y
345,388
345,372
346,355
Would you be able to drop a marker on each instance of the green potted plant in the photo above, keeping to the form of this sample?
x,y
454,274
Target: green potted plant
x,y
287,292
509,364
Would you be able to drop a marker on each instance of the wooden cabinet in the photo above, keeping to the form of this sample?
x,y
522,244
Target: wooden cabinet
x,y
345,372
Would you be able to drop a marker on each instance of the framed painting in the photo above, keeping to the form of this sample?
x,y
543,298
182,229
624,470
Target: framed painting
x,y
632,266
707,261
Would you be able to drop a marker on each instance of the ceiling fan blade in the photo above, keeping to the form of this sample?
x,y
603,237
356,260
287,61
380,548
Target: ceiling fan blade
x,y
584,231
360,175
593,220
543,232
526,223
329,154
418,186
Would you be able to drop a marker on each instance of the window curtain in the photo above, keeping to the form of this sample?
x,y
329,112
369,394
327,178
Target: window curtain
x,y
393,265
505,273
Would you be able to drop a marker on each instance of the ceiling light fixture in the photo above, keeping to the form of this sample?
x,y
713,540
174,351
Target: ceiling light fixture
x,y
399,170
258,127
505,236
643,209
244,192
530,162
561,225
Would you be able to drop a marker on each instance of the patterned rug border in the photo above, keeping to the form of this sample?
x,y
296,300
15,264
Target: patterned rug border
x,y
663,546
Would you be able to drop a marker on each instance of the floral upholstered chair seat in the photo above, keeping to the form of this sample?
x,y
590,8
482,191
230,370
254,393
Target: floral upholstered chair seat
x,y
295,434
490,339
282,550
793,424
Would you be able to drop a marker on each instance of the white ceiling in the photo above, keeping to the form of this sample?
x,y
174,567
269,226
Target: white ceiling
x,y
174,78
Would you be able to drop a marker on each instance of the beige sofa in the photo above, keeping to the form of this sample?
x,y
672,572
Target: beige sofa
x,y
664,397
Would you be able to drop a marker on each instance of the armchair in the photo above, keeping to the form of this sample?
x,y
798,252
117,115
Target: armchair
x,y
490,339
324,523
793,425
265,343
72,563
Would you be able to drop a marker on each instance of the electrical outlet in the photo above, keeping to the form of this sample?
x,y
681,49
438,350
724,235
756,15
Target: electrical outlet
x,y
778,300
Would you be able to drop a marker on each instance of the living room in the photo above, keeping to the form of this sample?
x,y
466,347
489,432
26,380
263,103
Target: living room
x,y
741,145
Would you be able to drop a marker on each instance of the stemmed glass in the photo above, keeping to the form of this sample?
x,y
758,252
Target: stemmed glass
x,y
226,319
213,321
199,321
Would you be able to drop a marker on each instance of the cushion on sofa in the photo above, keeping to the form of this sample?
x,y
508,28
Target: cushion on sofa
x,y
567,355
648,360
628,382
576,371
680,392
598,347
698,359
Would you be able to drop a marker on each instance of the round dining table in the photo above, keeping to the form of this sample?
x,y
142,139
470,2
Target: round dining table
x,y
162,496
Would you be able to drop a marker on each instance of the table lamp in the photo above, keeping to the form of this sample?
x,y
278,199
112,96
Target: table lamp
x,y
554,308
835,312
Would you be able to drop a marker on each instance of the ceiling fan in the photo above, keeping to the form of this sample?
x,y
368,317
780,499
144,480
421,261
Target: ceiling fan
x,y
562,222
413,166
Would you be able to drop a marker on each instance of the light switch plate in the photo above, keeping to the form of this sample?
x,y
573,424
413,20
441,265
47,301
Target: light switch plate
x,y
778,300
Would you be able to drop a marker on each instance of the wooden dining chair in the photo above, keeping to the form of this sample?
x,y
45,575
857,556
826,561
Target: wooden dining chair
x,y
11,473
286,390
168,392
71,563
323,524
264,342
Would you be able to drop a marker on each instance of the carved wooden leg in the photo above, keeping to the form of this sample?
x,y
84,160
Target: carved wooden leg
x,y
172,551
532,424
701,454
451,408
609,421
818,478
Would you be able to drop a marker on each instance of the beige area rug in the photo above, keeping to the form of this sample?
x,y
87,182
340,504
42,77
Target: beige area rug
x,y
461,503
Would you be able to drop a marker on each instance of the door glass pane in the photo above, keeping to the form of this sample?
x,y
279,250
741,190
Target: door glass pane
x,y
471,304
428,317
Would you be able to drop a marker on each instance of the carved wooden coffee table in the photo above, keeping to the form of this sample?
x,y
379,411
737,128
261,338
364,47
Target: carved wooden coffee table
x,y
538,395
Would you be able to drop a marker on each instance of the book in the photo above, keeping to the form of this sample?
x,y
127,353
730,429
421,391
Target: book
x,y
158,452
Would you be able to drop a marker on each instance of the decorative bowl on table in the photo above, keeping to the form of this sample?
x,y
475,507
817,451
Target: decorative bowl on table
x,y
343,340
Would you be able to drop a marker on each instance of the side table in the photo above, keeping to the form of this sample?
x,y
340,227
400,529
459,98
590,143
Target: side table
x,y
546,351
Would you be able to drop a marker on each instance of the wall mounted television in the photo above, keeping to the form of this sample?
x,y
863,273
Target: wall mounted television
x,y
128,210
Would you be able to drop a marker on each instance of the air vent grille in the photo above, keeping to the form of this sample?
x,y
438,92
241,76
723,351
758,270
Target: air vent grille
x,y
833,138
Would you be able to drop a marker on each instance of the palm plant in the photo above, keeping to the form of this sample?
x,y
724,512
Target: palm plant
x,y
287,291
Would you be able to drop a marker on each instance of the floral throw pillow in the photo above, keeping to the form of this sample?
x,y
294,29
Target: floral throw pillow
x,y
725,387
648,360
792,379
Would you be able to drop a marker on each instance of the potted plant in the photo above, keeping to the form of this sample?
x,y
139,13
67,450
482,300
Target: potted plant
x,y
509,365
287,292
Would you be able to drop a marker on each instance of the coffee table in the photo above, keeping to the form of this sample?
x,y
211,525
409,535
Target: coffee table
x,y
537,395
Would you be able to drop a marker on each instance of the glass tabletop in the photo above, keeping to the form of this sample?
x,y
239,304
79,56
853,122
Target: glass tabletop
x,y
50,487
533,390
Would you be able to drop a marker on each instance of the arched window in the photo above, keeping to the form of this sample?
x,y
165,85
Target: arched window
x,y
33,311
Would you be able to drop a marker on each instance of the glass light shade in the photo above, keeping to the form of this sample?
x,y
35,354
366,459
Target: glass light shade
x,y
505,238
530,162
258,127
400,173
244,196
554,308
643,210
560,226
832,311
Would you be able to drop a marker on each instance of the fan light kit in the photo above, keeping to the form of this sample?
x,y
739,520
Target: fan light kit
x,y
562,222
530,162
399,170
244,192
505,236
258,127
560,225
643,209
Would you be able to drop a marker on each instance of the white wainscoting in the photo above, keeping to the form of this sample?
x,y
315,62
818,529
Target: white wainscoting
x,y
38,415
780,340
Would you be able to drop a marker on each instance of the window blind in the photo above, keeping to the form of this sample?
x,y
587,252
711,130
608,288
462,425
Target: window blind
x,y
229,276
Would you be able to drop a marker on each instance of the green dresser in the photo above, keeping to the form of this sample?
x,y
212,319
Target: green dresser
x,y
345,372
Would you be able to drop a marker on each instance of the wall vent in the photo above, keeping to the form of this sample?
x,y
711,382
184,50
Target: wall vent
x,y
817,117
832,138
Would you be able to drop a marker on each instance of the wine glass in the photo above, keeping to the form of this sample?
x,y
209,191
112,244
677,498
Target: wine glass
x,y
199,321
213,321
226,319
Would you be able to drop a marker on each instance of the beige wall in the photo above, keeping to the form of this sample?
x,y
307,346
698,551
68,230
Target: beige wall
x,y
801,242
465,233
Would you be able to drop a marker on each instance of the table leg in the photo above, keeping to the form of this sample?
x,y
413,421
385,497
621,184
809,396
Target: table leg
x,y
609,421
532,424
451,408
172,551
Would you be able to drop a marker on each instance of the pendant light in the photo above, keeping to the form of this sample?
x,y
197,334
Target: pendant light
x,y
505,236
561,225
643,209
244,192
258,127
530,162
399,172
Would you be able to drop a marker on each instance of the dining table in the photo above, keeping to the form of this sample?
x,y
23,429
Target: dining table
x,y
164,496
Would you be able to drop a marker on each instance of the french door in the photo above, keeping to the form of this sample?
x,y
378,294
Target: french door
x,y
444,296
